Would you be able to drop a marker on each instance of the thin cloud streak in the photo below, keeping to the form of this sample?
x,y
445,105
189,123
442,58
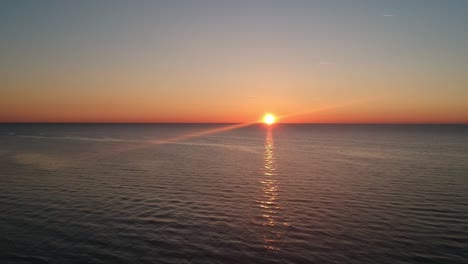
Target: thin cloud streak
x,y
329,107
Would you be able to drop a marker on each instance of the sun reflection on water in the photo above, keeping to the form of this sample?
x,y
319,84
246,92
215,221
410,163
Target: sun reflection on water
x,y
270,208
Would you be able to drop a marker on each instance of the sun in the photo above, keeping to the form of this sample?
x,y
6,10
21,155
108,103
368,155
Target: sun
x,y
269,119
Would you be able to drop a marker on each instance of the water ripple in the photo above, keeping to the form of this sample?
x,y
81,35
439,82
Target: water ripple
x,y
287,195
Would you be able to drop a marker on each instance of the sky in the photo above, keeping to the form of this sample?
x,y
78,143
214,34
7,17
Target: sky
x,y
330,61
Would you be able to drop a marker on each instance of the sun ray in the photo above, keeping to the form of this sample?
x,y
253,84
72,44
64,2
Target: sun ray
x,y
266,120
169,140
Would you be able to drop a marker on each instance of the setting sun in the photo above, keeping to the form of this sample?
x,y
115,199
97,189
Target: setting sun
x,y
269,119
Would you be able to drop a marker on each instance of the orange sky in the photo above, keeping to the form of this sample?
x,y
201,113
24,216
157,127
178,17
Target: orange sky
x,y
231,63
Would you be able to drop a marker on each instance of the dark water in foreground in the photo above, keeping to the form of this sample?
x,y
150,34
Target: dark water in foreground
x,y
290,194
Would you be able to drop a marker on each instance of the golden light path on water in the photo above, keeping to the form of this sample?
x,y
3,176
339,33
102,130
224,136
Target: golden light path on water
x,y
268,201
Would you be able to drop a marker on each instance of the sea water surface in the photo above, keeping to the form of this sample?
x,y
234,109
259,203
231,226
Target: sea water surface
x,y
168,193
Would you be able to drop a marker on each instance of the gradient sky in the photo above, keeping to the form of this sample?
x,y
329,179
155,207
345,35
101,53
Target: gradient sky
x,y
395,61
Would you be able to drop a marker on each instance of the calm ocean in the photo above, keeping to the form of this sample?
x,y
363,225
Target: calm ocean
x,y
166,193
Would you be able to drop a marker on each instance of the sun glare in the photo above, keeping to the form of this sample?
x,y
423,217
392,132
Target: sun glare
x,y
269,119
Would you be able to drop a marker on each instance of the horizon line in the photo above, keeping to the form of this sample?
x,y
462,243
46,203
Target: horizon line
x,y
258,123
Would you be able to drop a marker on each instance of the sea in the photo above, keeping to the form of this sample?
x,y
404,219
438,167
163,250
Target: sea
x,y
230,193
